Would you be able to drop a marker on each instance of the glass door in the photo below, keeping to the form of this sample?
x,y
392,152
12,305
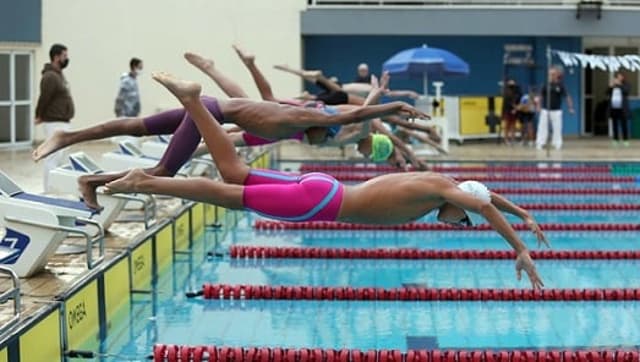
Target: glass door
x,y
16,98
596,84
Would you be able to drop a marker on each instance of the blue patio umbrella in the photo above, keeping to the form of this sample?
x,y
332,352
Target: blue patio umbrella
x,y
424,62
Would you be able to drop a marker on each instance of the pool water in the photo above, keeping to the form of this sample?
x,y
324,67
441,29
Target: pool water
x,y
168,316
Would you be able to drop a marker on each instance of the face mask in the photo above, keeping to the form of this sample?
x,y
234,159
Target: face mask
x,y
138,72
64,63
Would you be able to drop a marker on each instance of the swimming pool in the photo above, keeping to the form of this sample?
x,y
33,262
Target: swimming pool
x,y
167,316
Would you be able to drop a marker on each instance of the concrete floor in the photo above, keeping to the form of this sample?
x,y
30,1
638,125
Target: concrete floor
x,y
19,166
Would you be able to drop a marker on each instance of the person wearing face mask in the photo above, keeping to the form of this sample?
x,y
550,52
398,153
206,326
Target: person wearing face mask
x,y
55,106
128,100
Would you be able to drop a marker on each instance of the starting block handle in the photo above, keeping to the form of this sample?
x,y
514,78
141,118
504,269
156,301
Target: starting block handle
x,y
148,203
90,241
13,293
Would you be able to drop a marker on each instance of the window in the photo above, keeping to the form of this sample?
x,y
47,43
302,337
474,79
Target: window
x,y
16,109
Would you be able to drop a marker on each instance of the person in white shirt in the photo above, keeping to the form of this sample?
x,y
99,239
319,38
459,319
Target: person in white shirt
x,y
551,109
618,101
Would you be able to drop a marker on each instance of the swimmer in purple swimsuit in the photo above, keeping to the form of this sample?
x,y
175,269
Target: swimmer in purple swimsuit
x,y
271,121
387,199
267,119
335,97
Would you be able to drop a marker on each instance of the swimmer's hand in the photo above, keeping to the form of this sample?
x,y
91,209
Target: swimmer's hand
x,y
409,111
417,164
397,160
535,228
524,262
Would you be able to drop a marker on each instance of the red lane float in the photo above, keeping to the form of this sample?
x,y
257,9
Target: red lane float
x,y
439,168
270,292
348,176
407,253
278,354
599,207
334,225
551,191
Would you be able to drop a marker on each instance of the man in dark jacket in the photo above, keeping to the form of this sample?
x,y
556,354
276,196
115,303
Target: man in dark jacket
x,y
55,106
618,102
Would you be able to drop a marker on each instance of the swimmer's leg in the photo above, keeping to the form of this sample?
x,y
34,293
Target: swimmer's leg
x,y
116,127
231,168
266,93
197,189
207,66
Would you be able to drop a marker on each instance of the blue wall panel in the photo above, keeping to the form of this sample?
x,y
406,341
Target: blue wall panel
x,y
340,55
20,20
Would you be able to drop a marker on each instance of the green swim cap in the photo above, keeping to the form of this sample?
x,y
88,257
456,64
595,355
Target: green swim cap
x,y
381,147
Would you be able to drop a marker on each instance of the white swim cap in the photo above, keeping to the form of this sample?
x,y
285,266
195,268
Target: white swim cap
x,y
476,189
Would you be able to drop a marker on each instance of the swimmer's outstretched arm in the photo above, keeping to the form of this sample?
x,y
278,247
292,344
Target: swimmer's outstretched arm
x,y
317,119
403,93
424,139
505,205
401,146
414,126
410,125
354,134
457,197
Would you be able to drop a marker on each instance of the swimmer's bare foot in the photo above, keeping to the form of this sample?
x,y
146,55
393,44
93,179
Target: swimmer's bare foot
x,y
130,183
88,192
200,62
282,67
184,90
306,96
311,75
384,80
49,146
247,58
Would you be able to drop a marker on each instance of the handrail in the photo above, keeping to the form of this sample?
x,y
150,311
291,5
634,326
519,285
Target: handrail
x,y
148,206
13,293
90,241
208,164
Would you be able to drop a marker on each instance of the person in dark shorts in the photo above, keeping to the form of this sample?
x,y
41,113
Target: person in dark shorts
x,y
526,113
618,102
510,99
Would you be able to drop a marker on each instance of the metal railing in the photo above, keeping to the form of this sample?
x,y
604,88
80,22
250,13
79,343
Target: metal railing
x,y
13,293
149,208
91,241
473,3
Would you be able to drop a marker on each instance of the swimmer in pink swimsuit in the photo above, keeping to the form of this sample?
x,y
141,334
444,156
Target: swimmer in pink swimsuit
x,y
387,199
317,196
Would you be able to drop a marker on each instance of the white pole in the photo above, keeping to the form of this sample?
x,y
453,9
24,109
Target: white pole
x,y
425,85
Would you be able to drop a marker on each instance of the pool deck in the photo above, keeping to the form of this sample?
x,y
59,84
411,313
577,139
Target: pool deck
x,y
63,271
